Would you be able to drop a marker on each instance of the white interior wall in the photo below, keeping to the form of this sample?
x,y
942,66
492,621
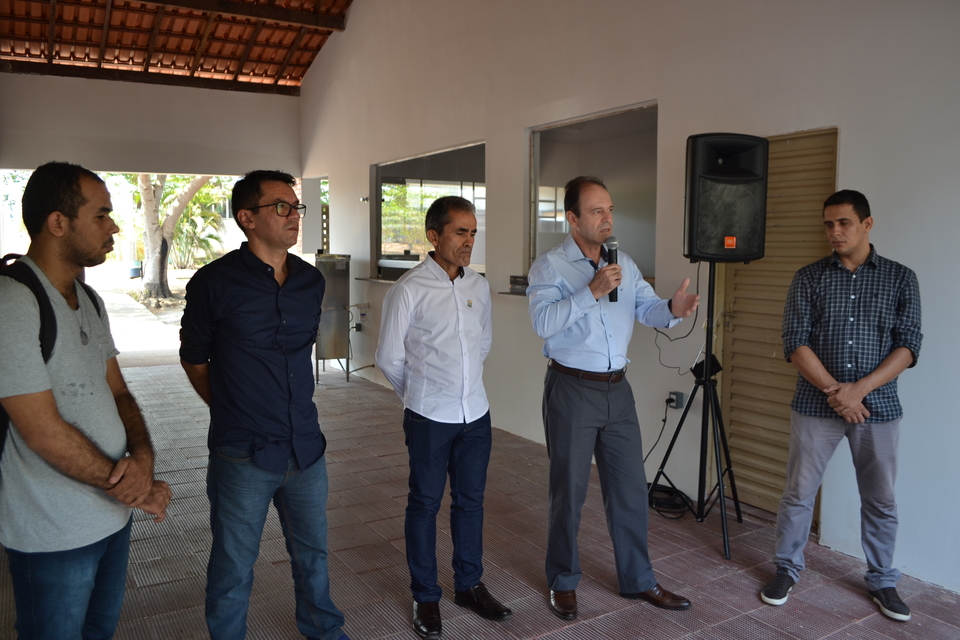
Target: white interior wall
x,y
133,127
887,74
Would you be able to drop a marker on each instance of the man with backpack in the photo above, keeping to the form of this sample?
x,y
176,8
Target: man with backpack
x,y
77,454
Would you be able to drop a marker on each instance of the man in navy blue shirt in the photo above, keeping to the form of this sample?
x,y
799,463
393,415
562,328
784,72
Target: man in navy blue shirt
x,y
248,328
851,325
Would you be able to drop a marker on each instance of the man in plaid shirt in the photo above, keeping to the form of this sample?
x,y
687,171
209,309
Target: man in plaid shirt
x,y
851,325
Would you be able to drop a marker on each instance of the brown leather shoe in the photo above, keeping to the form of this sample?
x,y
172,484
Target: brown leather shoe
x,y
564,604
426,620
660,597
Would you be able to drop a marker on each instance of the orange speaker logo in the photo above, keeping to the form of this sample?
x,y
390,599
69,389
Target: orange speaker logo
x,y
730,242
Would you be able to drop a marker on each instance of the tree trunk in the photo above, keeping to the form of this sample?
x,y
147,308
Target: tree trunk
x,y
154,268
159,236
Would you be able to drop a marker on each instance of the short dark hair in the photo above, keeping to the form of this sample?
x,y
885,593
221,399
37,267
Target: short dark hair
x,y
571,196
438,215
54,186
854,198
247,192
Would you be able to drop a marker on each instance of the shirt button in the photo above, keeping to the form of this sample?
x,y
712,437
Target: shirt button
x,y
849,365
851,319
291,375
853,297
283,321
851,342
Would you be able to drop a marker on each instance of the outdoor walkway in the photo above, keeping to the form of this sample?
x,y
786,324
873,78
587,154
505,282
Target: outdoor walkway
x,y
367,463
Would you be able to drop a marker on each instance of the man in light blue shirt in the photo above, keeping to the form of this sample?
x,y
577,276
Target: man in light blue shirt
x,y
588,406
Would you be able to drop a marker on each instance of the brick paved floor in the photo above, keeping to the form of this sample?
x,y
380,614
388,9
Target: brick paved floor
x,y
367,466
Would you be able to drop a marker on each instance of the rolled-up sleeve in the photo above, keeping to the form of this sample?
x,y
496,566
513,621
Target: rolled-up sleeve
x,y
796,316
906,333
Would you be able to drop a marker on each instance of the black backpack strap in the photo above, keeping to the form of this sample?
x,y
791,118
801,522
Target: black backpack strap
x,y
87,289
48,320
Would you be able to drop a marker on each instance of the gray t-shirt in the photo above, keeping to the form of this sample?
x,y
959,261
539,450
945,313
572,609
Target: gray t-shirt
x,y
41,509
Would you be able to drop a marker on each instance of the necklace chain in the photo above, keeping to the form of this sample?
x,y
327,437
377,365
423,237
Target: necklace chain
x,y
84,339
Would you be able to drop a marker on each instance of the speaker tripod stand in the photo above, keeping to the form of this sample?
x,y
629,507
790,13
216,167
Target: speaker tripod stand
x,y
711,422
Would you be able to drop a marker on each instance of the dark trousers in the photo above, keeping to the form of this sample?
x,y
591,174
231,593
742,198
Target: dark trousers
x,y
582,419
437,449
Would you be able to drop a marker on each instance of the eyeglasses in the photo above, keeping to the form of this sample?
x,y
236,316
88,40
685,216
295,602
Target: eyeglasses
x,y
284,209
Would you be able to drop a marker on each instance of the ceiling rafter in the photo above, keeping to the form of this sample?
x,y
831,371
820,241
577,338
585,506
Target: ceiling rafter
x,y
249,47
290,53
52,31
268,12
77,71
103,33
153,37
169,35
203,44
185,68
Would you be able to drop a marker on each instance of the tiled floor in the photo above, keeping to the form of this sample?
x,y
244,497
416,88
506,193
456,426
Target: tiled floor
x,y
367,466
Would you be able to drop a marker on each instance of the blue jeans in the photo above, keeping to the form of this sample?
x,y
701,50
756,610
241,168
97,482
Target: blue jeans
x,y
240,494
71,595
436,449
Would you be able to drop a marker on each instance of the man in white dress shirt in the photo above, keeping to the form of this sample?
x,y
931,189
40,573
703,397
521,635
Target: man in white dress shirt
x,y
434,336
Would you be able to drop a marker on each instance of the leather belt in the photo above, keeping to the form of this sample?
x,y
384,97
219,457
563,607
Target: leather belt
x,y
612,376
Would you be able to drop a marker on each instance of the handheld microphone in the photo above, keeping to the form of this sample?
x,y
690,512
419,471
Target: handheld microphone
x,y
612,245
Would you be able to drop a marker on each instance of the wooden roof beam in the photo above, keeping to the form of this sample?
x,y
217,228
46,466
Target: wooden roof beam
x,y
203,44
103,33
52,31
249,47
153,37
269,13
290,53
153,77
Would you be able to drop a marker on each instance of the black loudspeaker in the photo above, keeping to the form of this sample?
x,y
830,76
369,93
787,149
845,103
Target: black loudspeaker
x,y
726,205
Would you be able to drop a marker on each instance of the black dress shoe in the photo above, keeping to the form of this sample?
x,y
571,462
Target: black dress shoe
x,y
479,600
564,604
660,597
426,620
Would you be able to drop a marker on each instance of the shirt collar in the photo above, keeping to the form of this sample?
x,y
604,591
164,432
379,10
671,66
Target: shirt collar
x,y
251,260
871,258
436,269
572,250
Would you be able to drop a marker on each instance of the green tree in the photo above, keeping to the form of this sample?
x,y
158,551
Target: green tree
x,y
162,206
13,235
402,213
198,230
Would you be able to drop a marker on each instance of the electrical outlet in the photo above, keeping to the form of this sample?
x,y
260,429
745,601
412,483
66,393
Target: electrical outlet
x,y
678,398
